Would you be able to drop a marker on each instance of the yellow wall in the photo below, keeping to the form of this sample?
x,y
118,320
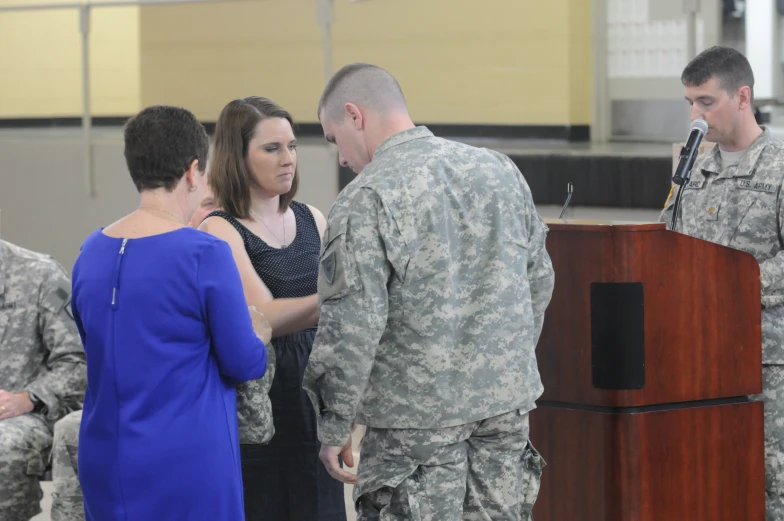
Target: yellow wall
x,y
522,62
40,62
201,56
497,61
494,61
580,62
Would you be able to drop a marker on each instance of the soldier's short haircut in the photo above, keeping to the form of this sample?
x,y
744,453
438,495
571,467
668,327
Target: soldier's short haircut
x,y
364,85
161,142
729,66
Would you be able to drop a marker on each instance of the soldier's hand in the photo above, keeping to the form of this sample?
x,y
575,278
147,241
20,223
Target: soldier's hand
x,y
329,457
12,405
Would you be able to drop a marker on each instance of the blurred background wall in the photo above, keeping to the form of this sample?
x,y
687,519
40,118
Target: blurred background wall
x,y
582,91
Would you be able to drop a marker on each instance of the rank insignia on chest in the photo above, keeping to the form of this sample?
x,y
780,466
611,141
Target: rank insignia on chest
x,y
328,264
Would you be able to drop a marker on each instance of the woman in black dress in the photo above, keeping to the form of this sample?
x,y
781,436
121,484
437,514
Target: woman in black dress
x,y
275,241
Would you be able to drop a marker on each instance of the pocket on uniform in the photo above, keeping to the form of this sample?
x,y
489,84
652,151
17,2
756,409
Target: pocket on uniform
x,y
407,499
533,466
35,463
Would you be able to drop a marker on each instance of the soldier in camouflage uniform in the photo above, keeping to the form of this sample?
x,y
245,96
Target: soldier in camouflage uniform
x,y
734,198
67,502
433,283
42,374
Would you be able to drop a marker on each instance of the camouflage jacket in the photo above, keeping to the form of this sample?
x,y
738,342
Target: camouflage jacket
x,y
433,282
40,347
254,408
741,207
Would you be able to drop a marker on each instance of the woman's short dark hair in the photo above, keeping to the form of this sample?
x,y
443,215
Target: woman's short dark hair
x,y
161,142
230,178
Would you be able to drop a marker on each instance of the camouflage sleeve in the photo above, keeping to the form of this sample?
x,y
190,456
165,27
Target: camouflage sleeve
x,y
353,299
541,277
772,270
62,385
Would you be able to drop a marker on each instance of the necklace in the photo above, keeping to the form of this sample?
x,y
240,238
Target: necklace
x,y
283,242
161,210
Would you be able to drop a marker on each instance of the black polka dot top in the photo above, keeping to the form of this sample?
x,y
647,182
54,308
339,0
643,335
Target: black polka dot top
x,y
289,272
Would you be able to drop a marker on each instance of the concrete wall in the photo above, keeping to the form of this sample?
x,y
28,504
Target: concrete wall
x,y
44,204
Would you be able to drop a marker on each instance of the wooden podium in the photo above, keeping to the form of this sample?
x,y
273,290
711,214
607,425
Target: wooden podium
x,y
651,345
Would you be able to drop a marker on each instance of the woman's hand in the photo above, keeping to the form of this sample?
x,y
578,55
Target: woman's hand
x,y
260,325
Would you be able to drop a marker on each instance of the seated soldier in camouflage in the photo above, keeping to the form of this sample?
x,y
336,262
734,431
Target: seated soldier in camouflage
x,y
42,374
67,503
734,198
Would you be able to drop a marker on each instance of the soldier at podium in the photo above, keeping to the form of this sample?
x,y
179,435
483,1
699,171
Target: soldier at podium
x,y
734,198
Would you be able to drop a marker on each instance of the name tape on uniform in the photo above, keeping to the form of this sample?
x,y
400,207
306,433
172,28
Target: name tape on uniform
x,y
757,186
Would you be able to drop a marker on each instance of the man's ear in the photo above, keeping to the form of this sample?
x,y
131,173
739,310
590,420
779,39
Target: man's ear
x,y
354,116
744,93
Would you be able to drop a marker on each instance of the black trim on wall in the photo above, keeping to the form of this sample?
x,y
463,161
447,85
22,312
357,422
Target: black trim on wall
x,y
558,132
611,181
64,122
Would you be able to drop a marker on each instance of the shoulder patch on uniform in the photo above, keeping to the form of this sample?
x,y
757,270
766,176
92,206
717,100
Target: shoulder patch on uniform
x,y
329,267
59,297
62,294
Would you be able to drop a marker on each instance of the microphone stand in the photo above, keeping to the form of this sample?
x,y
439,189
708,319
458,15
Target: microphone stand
x,y
569,191
682,181
676,207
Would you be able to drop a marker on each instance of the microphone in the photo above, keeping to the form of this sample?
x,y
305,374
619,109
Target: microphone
x,y
683,171
689,152
569,190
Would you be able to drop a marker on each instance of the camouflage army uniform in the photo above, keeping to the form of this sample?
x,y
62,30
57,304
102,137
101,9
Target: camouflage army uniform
x,y
433,283
67,503
254,408
40,353
741,207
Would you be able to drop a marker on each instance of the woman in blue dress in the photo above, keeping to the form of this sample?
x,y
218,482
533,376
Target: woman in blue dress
x,y
168,335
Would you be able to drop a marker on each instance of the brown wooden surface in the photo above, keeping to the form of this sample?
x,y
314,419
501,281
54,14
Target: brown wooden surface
x,y
702,314
695,464
602,225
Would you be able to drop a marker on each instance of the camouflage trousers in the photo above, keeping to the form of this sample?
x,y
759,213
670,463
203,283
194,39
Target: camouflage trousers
x,y
24,444
486,470
67,503
773,396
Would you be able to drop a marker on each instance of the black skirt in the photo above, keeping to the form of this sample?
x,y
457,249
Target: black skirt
x,y
285,480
